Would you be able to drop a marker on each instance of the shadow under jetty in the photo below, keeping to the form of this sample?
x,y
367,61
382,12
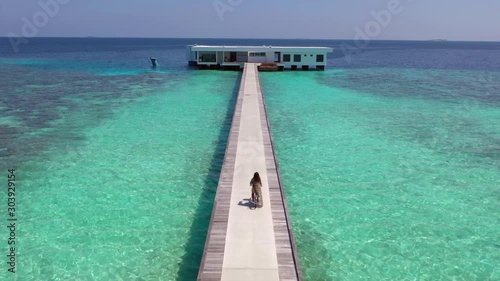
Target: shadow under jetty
x,y
190,263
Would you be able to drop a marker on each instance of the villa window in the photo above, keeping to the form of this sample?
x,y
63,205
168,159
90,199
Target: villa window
x,y
257,54
286,58
320,58
207,58
297,58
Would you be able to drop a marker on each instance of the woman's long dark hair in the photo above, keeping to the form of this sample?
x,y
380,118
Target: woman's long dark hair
x,y
256,178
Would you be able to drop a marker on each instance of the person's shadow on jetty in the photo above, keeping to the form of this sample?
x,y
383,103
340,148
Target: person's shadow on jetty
x,y
247,202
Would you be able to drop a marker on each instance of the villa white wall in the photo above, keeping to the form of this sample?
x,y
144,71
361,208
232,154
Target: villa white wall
x,y
257,59
270,56
305,59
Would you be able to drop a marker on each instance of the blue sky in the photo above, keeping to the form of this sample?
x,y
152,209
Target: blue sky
x,y
477,20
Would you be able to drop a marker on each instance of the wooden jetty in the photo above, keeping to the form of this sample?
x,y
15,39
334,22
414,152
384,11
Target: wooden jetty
x,y
244,243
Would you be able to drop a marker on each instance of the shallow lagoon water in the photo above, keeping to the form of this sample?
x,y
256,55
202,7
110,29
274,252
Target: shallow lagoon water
x,y
390,160
388,184
116,175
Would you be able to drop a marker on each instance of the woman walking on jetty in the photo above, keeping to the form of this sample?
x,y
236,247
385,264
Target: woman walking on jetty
x,y
256,184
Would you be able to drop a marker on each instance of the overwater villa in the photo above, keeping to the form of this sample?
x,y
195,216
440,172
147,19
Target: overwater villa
x,y
269,57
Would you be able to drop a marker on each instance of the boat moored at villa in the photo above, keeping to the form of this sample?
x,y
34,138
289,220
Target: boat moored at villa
x,y
270,57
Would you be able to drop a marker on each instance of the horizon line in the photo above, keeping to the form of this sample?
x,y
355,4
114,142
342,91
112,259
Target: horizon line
x,y
438,40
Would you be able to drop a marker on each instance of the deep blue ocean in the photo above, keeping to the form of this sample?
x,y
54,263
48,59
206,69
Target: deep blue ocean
x,y
390,157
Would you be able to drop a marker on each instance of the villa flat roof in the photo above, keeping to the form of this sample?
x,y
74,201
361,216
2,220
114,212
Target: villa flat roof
x,y
258,48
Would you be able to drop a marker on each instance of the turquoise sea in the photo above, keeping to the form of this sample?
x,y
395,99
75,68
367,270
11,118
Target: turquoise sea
x,y
390,158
